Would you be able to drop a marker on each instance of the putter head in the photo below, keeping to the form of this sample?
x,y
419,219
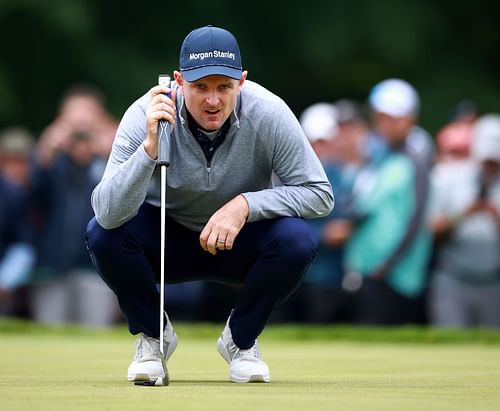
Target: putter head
x,y
160,381
166,378
151,383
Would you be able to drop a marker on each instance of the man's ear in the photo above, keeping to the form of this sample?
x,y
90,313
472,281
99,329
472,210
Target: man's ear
x,y
178,78
244,75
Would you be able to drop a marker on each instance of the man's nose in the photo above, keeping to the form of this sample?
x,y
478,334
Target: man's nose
x,y
213,98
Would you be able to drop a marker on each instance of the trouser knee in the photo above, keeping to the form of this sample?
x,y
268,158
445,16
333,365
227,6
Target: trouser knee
x,y
108,249
100,242
288,254
296,242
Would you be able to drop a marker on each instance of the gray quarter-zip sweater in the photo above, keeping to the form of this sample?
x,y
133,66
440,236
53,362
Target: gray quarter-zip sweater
x,y
264,138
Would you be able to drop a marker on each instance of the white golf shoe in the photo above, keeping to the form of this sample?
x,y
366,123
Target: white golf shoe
x,y
244,365
146,365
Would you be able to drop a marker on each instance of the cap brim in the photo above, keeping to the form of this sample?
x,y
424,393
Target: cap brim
x,y
200,72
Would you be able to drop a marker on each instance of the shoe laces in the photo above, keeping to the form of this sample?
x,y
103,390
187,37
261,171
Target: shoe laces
x,y
147,348
252,353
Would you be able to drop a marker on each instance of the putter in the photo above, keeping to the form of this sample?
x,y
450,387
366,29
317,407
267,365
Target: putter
x,y
163,161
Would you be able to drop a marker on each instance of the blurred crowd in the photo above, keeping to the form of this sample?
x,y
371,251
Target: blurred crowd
x,y
414,237
45,185
415,234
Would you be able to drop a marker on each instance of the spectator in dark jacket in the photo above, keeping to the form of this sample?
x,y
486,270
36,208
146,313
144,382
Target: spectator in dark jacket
x,y
69,164
16,250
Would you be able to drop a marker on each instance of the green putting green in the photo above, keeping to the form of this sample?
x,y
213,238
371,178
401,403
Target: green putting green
x,y
312,368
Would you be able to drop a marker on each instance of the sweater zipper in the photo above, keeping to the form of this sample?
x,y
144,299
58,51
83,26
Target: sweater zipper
x,y
209,163
209,168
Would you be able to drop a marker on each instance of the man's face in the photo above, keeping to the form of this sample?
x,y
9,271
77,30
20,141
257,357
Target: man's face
x,y
81,112
211,99
323,149
393,129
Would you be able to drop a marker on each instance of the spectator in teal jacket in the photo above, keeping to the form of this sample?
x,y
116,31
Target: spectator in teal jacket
x,y
334,131
389,247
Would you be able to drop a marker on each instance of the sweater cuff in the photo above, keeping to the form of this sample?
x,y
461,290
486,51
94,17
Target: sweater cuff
x,y
253,206
145,156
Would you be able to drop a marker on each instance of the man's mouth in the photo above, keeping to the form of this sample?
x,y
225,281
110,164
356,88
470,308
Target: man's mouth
x,y
212,111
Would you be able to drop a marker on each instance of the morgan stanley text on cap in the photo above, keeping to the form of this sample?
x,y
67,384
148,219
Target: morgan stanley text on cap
x,y
210,51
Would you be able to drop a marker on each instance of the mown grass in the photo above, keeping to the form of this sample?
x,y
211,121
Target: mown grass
x,y
312,368
407,334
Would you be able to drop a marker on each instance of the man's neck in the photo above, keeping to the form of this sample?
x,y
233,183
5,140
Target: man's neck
x,y
194,124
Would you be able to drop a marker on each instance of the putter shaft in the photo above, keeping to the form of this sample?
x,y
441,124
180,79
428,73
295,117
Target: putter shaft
x,y
162,271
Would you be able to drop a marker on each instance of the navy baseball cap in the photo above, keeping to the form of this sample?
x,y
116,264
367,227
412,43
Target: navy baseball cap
x,y
210,51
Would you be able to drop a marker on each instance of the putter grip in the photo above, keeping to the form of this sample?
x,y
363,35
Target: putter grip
x,y
164,131
163,143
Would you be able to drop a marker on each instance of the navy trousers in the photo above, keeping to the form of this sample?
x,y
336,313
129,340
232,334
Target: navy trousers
x,y
269,259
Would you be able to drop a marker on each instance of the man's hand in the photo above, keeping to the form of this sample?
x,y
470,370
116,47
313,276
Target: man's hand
x,y
379,273
160,107
336,232
54,139
225,224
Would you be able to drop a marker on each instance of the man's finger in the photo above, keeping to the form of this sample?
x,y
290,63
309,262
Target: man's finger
x,y
204,237
212,243
222,243
229,241
156,90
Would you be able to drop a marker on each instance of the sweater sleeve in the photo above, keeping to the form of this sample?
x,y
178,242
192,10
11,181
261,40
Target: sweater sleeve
x,y
305,190
125,183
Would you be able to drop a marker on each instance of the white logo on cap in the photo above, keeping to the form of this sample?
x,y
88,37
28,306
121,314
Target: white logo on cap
x,y
212,54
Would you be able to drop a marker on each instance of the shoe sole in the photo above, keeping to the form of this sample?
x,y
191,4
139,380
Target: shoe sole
x,y
257,378
146,379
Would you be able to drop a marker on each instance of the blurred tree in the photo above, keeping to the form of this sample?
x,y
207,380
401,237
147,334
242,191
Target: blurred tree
x,y
304,51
